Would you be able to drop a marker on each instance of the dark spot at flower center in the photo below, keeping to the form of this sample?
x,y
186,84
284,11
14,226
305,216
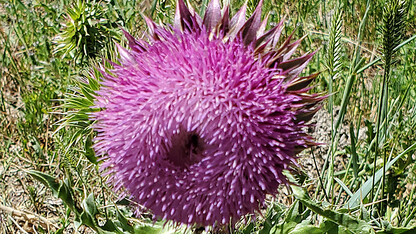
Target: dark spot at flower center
x,y
193,143
186,150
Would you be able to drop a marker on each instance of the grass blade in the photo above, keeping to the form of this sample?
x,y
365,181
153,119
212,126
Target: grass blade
x,y
367,186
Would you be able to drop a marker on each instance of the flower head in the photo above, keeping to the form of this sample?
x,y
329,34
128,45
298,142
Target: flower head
x,y
198,123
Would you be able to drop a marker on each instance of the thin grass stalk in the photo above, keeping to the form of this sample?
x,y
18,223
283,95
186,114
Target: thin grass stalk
x,y
379,117
3,109
394,14
354,158
20,35
16,66
355,145
324,10
319,176
334,64
372,143
355,65
399,18
102,193
344,178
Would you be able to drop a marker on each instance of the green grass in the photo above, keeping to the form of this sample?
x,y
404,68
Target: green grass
x,y
367,184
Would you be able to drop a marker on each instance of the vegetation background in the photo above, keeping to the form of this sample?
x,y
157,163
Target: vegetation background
x,y
363,180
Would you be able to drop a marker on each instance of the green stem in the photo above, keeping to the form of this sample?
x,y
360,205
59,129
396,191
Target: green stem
x,y
379,118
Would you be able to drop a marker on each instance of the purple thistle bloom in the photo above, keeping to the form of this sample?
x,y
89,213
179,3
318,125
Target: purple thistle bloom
x,y
198,123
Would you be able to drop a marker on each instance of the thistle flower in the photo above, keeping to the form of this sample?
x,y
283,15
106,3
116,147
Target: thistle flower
x,y
199,121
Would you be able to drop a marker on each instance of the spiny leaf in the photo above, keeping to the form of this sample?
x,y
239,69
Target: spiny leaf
x,y
59,189
350,223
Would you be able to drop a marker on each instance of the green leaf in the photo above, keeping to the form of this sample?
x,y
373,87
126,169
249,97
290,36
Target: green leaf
x,y
284,227
350,223
78,103
47,180
60,230
154,229
89,205
411,230
87,220
59,189
366,188
147,230
272,218
89,152
123,222
306,227
249,228
87,91
327,226
160,228
109,227
346,189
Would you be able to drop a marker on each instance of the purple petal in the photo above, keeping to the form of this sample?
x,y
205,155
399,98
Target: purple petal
x,y
212,15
